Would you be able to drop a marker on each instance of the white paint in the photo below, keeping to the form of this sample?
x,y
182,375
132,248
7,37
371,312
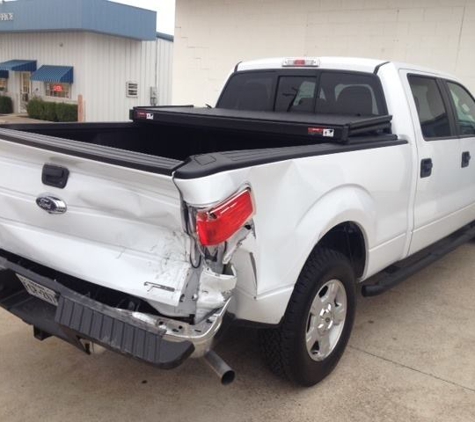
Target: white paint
x,y
122,228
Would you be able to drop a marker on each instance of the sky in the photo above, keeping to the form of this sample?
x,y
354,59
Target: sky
x,y
165,12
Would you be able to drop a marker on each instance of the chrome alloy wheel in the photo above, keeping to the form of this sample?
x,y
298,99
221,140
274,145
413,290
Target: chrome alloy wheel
x,y
326,319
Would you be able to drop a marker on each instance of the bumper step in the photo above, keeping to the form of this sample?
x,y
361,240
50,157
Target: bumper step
x,y
102,325
79,317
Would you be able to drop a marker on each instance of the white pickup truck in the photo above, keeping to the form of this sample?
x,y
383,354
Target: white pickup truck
x,y
308,178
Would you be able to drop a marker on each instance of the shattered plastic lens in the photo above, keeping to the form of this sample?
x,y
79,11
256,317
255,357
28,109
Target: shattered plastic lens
x,y
217,225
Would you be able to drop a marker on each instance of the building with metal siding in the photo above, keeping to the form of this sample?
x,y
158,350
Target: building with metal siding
x,y
105,55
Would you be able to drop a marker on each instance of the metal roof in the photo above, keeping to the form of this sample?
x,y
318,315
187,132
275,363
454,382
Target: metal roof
x,y
48,73
101,16
19,65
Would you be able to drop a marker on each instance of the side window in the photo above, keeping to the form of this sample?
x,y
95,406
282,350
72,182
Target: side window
x,y
350,93
249,91
296,94
464,107
431,109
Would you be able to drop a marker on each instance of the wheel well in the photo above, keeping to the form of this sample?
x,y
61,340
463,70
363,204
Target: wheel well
x,y
347,238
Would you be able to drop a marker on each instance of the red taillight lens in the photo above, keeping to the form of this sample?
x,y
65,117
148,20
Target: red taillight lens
x,y
217,225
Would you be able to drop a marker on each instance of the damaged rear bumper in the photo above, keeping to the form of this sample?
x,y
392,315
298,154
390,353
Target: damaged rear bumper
x,y
159,341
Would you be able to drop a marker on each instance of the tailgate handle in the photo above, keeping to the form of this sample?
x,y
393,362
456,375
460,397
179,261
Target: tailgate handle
x,y
55,176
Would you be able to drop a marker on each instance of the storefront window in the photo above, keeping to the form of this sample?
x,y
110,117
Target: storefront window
x,y
3,85
58,90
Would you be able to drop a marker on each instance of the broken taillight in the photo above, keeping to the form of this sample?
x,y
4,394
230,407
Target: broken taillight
x,y
218,224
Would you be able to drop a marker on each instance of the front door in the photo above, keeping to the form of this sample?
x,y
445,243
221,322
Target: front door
x,y
25,90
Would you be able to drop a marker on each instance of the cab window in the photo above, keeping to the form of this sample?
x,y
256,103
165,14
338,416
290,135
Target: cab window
x,y
464,109
350,93
296,94
249,91
430,106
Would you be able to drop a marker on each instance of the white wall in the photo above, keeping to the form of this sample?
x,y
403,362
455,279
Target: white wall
x,y
102,66
211,36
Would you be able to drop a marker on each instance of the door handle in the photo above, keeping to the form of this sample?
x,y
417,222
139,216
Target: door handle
x,y
426,167
466,158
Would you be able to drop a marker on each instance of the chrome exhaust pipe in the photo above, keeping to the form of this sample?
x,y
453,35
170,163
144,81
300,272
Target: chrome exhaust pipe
x,y
220,367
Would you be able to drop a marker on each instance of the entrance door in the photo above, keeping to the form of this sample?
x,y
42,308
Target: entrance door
x,y
25,90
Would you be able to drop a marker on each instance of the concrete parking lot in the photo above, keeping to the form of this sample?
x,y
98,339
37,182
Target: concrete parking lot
x,y
411,358
17,119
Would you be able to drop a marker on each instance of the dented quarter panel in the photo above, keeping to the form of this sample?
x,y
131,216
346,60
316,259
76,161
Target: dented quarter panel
x,y
297,201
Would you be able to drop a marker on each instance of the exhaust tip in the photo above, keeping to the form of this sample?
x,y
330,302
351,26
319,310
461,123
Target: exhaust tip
x,y
220,368
228,377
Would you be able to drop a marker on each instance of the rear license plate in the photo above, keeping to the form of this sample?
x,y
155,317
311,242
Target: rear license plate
x,y
39,291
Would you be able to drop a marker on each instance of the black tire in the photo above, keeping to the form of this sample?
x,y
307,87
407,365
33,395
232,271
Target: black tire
x,y
285,348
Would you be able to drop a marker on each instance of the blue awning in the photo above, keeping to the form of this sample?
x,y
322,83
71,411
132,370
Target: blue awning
x,y
63,74
3,74
19,65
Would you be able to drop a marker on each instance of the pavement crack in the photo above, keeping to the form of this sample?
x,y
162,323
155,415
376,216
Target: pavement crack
x,y
412,369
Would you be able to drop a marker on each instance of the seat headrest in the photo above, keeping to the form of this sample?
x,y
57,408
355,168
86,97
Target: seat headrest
x,y
355,100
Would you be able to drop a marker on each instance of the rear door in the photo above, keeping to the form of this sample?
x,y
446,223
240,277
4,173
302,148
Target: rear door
x,y
464,112
439,197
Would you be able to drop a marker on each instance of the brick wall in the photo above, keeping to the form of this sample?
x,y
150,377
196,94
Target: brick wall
x,y
213,35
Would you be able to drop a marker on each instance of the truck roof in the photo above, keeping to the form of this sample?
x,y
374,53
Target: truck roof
x,y
341,63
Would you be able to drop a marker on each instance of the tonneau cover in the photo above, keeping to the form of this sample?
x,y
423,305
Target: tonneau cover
x,y
331,127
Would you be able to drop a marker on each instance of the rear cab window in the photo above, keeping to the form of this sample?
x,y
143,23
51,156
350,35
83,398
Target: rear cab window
x,y
320,91
249,91
350,93
296,94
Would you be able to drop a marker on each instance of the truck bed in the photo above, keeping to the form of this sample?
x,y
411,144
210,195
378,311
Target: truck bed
x,y
162,140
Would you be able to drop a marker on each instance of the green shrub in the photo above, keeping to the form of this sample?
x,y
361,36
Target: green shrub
x,y
53,112
6,105
35,108
66,112
49,112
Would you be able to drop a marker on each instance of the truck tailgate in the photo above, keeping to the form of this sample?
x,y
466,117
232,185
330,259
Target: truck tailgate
x,y
122,228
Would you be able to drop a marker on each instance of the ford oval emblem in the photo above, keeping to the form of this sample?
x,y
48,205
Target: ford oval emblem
x,y
51,204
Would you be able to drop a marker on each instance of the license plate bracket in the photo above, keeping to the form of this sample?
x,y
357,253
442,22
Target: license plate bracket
x,y
39,291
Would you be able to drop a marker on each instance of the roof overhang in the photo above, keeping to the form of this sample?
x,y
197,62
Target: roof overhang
x,y
98,16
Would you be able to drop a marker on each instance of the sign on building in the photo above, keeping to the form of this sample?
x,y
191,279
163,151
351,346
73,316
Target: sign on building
x,y
6,17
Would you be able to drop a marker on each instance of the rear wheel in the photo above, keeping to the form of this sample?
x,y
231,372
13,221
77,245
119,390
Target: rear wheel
x,y
318,321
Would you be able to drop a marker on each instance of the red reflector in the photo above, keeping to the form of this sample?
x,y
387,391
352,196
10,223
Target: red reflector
x,y
217,225
299,62
315,131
